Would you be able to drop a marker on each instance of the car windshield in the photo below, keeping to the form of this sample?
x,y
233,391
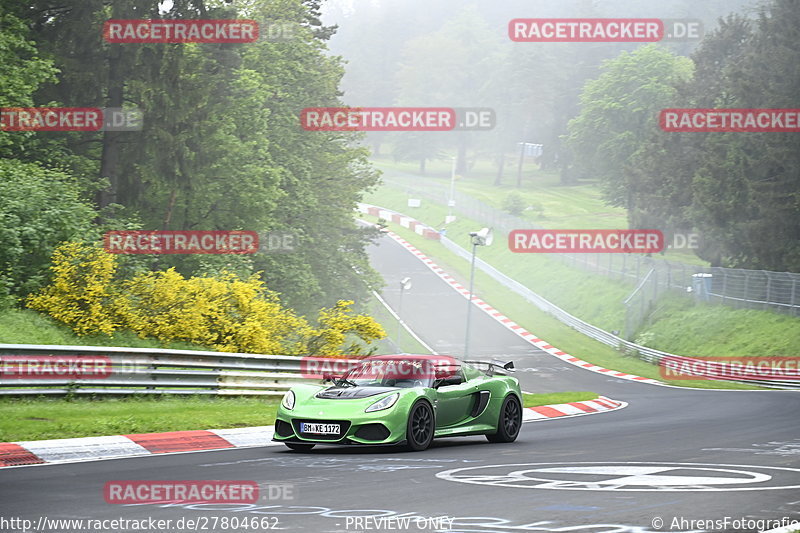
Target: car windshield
x,y
391,373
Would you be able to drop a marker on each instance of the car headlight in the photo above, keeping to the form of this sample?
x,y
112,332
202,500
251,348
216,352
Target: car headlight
x,y
288,400
383,403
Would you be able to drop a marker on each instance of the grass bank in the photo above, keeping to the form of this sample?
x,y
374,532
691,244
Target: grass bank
x,y
57,418
537,400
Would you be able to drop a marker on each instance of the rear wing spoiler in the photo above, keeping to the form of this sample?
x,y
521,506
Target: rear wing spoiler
x,y
495,366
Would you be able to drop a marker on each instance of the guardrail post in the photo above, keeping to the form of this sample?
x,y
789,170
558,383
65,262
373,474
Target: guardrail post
x,y
767,300
628,322
624,266
745,292
724,287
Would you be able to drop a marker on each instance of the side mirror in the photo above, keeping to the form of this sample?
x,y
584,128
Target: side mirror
x,y
327,376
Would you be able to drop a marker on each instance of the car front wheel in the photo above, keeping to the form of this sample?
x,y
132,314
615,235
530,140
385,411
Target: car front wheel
x,y
419,432
510,421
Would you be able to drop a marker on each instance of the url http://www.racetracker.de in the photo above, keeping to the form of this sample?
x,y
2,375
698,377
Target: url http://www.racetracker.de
x,y
148,524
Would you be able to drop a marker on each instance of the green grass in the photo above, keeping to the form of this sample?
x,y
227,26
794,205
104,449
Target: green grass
x,y
536,400
541,324
705,330
552,205
25,326
557,206
56,418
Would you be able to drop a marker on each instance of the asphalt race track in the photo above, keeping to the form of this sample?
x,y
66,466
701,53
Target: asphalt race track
x,y
671,455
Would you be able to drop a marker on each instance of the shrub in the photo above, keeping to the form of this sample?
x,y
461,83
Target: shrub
x,y
39,209
81,292
223,311
514,203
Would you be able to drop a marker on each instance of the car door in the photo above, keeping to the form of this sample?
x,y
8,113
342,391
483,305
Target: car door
x,y
454,402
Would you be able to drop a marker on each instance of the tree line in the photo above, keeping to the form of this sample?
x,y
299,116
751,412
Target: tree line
x,y
595,108
220,149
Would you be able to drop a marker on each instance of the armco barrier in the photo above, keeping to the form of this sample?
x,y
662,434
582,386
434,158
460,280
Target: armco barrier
x,y
154,371
642,352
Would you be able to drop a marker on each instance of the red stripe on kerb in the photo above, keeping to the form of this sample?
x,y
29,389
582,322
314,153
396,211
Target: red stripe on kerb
x,y
549,412
605,403
14,455
179,441
583,407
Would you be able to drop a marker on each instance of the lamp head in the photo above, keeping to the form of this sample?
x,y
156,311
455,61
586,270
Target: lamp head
x,y
484,237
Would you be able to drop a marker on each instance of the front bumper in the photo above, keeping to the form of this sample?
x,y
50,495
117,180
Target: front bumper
x,y
364,430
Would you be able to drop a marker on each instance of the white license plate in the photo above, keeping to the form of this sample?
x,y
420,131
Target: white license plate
x,y
319,429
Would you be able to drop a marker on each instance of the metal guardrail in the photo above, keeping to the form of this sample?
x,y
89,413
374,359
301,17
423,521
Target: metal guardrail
x,y
150,371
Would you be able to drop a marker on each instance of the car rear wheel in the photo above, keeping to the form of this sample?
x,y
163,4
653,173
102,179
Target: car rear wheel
x,y
419,432
299,447
510,421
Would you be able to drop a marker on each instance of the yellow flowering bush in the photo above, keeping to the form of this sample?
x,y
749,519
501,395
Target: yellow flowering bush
x,y
223,312
81,293
337,326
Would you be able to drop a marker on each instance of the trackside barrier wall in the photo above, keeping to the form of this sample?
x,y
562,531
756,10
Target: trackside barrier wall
x,y
154,371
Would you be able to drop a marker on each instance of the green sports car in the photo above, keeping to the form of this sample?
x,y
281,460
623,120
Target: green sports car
x,y
405,400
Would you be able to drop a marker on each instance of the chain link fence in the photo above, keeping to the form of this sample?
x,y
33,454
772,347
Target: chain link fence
x,y
652,276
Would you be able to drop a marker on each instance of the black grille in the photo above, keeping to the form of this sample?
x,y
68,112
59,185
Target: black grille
x,y
344,425
283,429
372,432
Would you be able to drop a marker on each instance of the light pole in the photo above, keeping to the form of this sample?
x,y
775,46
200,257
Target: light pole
x,y
405,284
451,201
483,237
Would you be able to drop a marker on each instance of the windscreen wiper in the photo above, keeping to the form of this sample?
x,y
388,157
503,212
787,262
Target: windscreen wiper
x,y
344,381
